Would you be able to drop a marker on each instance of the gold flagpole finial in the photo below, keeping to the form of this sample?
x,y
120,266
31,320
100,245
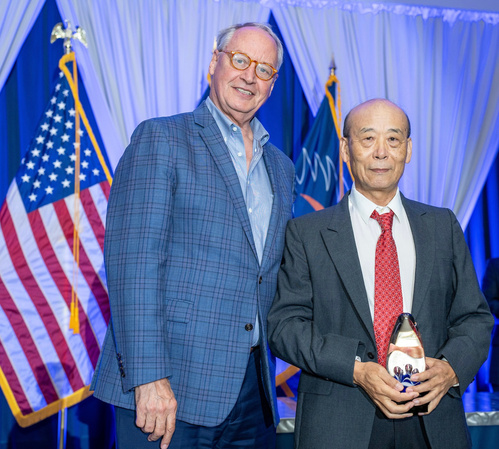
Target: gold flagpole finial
x,y
332,67
59,32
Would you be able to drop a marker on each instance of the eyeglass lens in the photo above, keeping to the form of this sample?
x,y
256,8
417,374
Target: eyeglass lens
x,y
241,62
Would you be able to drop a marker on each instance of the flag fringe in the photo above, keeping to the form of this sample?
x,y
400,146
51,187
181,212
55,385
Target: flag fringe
x,y
74,322
62,65
337,122
49,410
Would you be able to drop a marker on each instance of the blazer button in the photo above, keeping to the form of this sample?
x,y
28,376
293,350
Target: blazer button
x,y
370,355
248,327
260,280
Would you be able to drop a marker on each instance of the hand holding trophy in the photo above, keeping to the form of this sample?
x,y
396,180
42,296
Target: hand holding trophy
x,y
406,354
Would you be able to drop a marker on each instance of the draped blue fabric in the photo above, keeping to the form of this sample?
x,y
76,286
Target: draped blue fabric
x,y
286,116
482,235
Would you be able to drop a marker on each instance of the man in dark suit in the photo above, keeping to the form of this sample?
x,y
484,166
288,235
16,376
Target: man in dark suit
x,y
323,317
194,240
490,288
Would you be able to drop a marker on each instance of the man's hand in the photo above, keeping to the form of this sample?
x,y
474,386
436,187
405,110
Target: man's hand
x,y
437,379
383,389
156,410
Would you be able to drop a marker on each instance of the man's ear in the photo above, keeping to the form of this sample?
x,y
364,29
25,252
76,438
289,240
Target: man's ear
x,y
344,150
274,79
409,151
213,62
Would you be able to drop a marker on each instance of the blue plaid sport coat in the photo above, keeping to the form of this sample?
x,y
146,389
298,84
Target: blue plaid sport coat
x,y
182,270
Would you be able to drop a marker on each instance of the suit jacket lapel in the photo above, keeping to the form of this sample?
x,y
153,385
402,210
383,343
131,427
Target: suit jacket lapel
x,y
212,138
340,243
423,233
275,216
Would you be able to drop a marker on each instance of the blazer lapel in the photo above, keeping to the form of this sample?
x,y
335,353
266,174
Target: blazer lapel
x,y
423,233
275,216
340,244
212,138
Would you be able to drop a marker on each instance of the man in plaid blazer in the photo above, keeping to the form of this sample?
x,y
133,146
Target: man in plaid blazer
x,y
194,240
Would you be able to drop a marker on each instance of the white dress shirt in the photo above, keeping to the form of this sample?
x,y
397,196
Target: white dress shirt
x,y
254,182
366,231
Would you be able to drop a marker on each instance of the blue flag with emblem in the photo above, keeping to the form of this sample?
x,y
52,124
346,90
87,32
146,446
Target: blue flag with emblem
x,y
320,178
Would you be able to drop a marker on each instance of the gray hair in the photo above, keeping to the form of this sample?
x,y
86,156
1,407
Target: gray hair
x,y
225,35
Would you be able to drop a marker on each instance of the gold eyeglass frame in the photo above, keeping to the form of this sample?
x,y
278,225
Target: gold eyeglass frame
x,y
232,53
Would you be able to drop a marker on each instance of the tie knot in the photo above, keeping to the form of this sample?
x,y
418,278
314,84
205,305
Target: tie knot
x,y
384,220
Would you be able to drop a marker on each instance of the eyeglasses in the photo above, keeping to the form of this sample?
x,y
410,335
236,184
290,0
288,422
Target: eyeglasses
x,y
241,61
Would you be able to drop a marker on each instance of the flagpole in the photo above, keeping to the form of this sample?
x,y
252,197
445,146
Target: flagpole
x,y
336,116
59,32
337,121
61,437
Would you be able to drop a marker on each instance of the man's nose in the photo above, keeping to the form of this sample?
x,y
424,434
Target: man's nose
x,y
249,74
380,149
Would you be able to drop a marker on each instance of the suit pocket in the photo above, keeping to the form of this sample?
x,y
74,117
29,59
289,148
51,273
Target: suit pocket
x,y
314,384
177,310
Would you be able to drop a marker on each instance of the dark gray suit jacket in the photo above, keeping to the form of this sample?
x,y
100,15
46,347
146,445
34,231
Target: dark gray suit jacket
x,y
320,321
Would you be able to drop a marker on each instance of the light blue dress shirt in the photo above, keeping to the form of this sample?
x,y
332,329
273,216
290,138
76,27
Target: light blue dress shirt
x,y
255,182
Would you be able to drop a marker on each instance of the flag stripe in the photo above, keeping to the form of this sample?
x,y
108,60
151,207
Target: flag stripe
x,y
100,201
89,274
10,374
24,308
87,336
64,254
14,350
93,216
90,244
43,308
29,347
106,188
50,291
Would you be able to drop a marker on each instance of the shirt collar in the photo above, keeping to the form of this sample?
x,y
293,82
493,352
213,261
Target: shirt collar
x,y
260,134
365,206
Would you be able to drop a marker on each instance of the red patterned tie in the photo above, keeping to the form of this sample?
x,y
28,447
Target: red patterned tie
x,y
388,304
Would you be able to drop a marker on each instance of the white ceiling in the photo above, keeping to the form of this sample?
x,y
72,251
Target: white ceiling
x,y
479,5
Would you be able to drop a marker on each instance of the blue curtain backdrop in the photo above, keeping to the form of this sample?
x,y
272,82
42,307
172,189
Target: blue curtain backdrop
x,y
287,117
286,114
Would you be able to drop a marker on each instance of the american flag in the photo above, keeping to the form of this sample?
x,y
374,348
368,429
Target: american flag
x,y
44,365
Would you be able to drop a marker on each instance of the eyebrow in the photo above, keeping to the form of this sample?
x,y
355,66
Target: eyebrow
x,y
393,130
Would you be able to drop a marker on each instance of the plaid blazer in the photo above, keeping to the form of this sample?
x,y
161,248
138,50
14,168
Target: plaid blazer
x,y
182,269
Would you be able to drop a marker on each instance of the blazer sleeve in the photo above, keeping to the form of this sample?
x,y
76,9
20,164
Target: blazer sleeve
x,y
469,322
136,247
294,335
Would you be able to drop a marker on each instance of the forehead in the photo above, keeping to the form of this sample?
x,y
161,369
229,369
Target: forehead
x,y
256,43
378,116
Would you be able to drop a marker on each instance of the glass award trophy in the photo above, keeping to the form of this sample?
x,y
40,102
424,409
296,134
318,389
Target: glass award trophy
x,y
406,354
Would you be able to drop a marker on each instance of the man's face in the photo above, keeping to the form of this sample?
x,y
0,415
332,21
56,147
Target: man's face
x,y
377,149
239,94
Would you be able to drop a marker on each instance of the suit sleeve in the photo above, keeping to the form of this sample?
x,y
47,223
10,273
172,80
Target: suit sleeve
x,y
136,247
490,285
293,334
469,320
